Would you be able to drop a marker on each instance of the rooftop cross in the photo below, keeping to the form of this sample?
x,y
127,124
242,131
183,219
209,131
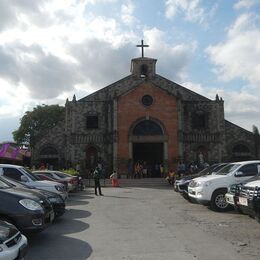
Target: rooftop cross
x,y
142,45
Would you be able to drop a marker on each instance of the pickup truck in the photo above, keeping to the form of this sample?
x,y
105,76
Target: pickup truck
x,y
211,189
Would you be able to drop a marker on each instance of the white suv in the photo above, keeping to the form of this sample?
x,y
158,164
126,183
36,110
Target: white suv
x,y
21,174
211,189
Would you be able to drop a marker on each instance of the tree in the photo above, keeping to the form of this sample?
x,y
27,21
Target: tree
x,y
36,122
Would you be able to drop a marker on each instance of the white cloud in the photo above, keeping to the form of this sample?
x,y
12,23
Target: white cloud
x,y
238,57
195,87
13,101
173,60
245,4
127,10
191,8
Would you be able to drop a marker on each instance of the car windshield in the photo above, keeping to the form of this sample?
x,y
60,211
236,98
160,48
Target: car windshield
x,y
227,169
30,174
205,171
4,185
61,175
209,170
218,168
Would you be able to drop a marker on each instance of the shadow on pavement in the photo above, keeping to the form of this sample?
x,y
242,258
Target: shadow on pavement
x,y
58,240
75,202
76,213
80,196
118,197
58,247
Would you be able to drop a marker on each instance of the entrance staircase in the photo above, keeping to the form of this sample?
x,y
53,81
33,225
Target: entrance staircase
x,y
145,183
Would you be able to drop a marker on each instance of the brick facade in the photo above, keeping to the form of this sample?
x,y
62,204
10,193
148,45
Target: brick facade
x,y
163,110
191,124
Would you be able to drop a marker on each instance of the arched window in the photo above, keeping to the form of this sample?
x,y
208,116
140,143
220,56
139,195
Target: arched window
x,y
240,152
199,120
143,70
147,127
91,157
92,120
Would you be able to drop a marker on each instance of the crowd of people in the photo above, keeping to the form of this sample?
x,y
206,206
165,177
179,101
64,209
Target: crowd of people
x,y
185,169
141,169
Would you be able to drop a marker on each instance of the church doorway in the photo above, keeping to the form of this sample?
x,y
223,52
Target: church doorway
x,y
150,155
49,156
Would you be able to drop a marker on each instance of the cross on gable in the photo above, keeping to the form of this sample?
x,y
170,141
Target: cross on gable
x,y
142,45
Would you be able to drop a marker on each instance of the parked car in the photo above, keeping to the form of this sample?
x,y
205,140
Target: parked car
x,y
13,244
232,195
45,177
26,209
233,192
183,183
211,189
72,181
21,174
57,202
248,199
77,180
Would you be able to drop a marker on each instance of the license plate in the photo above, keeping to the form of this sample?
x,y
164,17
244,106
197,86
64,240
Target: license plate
x,y
243,201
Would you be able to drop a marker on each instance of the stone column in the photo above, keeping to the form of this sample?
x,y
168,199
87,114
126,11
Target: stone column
x,y
115,135
180,128
165,156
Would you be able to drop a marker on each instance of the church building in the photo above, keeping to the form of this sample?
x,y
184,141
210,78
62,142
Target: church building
x,y
143,117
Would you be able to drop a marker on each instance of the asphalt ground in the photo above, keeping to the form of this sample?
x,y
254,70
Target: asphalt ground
x,y
144,223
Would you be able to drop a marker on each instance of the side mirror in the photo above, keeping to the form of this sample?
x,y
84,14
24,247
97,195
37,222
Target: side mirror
x,y
24,178
239,174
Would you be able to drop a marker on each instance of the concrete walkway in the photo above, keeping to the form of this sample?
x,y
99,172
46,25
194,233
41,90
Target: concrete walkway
x,y
138,224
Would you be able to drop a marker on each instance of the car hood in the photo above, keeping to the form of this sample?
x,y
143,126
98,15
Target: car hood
x,y
48,194
25,193
253,184
184,179
209,178
7,231
44,183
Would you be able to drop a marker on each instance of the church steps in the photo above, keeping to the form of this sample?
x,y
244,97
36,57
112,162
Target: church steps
x,y
145,182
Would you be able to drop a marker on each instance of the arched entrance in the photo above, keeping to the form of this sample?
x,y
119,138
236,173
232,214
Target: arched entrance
x,y
148,142
201,155
49,156
240,152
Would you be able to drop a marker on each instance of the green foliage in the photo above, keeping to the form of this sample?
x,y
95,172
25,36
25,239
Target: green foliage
x,y
70,171
35,122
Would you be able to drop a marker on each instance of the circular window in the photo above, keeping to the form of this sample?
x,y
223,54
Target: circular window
x,y
147,100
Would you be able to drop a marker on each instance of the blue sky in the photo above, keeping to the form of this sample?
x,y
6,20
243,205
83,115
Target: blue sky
x,y
52,49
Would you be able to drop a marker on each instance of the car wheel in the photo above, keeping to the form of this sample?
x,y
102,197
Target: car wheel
x,y
218,201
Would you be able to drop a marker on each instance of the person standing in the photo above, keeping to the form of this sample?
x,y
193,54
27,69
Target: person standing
x,y
97,176
114,179
161,170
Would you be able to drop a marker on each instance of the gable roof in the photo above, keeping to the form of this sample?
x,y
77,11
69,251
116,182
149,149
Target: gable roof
x,y
130,82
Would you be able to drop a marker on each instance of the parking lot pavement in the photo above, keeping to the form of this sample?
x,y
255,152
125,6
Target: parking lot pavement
x,y
144,223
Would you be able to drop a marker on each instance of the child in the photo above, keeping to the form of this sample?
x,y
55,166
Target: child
x,y
115,182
